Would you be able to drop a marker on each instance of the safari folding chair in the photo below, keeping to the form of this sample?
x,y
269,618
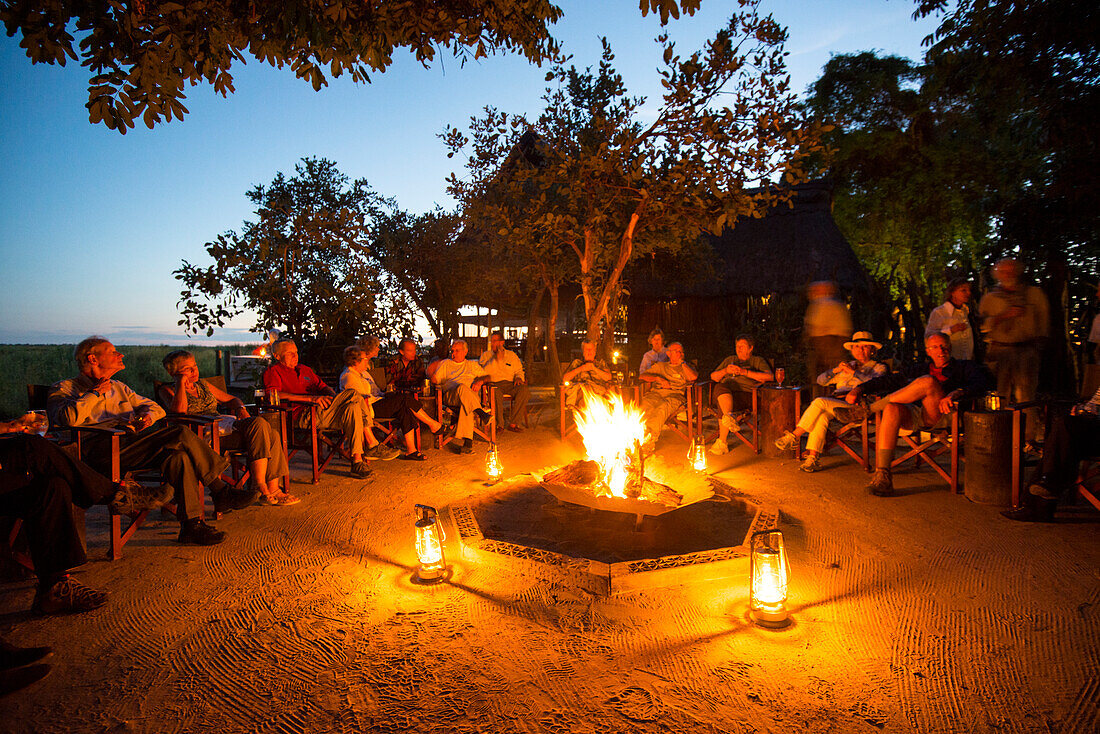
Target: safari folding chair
x,y
323,445
941,441
705,410
487,432
390,428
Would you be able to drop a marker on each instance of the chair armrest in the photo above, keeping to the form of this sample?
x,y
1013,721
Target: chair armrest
x,y
198,420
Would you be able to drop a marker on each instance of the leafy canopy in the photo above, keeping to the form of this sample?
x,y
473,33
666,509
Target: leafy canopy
x,y
302,264
599,177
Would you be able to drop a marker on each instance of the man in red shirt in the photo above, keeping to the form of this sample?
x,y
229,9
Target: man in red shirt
x,y
344,411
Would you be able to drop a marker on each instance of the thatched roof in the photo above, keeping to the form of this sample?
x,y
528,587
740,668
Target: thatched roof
x,y
780,253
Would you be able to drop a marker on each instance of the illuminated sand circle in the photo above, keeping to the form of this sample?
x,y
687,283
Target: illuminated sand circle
x,y
600,546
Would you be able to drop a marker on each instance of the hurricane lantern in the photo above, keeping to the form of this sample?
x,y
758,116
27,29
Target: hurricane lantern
x,y
429,545
697,455
768,579
493,467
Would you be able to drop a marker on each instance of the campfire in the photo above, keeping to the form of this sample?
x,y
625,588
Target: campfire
x,y
613,434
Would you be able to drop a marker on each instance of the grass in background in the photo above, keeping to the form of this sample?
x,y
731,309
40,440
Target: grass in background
x,y
47,363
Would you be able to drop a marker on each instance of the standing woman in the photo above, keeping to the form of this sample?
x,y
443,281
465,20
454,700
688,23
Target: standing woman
x,y
193,396
657,351
952,319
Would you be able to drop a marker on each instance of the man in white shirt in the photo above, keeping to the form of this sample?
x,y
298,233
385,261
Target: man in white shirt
x,y
505,370
952,318
460,379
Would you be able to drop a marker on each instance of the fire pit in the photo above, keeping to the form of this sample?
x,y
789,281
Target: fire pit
x,y
616,521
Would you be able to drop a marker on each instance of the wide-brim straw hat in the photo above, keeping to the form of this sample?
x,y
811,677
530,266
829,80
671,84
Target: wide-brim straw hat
x,y
862,339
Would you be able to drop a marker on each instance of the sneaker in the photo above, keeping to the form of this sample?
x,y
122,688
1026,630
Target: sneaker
x,y
360,470
787,442
810,464
197,532
467,446
851,413
234,499
1040,489
66,596
279,499
719,447
882,483
381,452
132,498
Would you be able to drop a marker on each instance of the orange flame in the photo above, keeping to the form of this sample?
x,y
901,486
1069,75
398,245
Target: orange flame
x,y
610,432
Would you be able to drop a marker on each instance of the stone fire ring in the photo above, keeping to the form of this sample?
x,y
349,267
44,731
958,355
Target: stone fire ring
x,y
624,577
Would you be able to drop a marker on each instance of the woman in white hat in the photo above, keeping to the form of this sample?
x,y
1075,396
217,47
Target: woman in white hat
x,y
845,376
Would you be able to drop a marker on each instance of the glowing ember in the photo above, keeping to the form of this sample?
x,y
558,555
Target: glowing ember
x,y
611,431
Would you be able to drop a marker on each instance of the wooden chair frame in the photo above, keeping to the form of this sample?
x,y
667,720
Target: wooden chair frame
x,y
940,442
704,402
683,428
487,433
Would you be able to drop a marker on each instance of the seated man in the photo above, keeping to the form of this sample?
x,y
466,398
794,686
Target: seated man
x,y
40,483
260,442
845,376
585,376
404,407
505,370
1071,435
345,412
460,379
187,462
917,401
666,398
734,381
405,372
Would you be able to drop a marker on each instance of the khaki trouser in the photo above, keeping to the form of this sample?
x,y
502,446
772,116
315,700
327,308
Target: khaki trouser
x,y
519,393
346,413
467,401
659,405
258,440
815,421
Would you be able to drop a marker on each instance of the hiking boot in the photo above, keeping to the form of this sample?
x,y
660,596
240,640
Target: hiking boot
x,y
882,483
381,452
132,498
360,470
787,442
467,446
67,595
230,499
811,464
851,413
1033,509
719,447
197,532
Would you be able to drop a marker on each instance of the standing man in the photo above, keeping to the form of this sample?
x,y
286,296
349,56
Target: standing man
x,y
460,379
667,396
825,328
187,462
734,381
505,370
952,318
1015,324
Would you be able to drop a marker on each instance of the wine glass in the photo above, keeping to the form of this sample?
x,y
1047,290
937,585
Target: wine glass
x,y
780,375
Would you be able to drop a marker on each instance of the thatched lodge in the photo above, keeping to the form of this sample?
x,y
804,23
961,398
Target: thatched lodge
x,y
752,278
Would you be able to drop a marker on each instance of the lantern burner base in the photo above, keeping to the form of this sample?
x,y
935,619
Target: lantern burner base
x,y
769,621
445,575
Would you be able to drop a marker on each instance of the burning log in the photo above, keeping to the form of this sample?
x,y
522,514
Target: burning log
x,y
587,476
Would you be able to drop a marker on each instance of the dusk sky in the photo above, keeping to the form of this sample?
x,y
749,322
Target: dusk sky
x,y
95,222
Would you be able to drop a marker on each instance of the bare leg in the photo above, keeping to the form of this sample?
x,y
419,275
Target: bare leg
x,y
725,405
427,420
258,467
410,442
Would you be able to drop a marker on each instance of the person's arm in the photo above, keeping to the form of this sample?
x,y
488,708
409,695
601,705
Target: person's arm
x,y
519,376
655,375
432,369
174,397
571,373
146,410
480,377
758,374
232,403
68,406
721,372
690,372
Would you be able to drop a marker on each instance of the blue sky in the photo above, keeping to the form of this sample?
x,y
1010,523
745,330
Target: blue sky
x,y
94,222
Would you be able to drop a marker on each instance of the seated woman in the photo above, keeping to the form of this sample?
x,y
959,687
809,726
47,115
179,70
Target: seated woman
x,y
845,376
401,406
193,396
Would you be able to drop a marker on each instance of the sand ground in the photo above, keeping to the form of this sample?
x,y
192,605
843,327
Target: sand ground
x,y
923,612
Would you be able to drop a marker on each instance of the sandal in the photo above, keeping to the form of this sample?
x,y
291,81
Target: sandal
x,y
442,427
415,456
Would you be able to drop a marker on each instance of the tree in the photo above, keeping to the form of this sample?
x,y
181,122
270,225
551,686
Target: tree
x,y
585,187
914,175
299,265
421,253
141,53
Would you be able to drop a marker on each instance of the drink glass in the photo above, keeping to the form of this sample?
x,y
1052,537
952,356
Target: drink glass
x,y
780,375
36,422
